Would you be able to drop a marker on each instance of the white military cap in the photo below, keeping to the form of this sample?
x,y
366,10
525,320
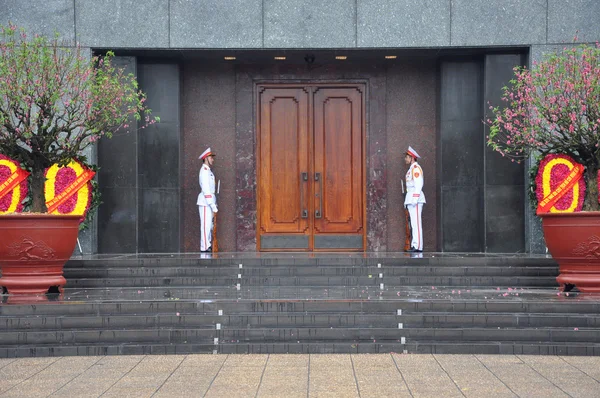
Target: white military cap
x,y
412,152
206,153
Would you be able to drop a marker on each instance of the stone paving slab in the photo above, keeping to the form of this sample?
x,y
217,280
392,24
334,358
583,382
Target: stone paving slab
x,y
315,375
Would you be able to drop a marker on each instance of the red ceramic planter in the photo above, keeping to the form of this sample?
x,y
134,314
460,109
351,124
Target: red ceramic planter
x,y
33,251
573,240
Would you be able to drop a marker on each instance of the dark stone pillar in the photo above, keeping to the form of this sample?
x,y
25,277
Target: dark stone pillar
x,y
117,178
158,161
505,199
461,156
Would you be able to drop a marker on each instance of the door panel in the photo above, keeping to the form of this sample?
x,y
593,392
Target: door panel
x,y
284,158
338,157
310,167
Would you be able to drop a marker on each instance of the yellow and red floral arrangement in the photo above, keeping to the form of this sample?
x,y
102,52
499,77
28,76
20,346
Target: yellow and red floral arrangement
x,y
560,186
13,186
68,189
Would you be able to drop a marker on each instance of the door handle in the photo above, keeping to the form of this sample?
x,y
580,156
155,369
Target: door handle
x,y
318,211
303,181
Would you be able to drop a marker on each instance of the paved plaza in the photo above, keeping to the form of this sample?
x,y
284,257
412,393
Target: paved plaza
x,y
316,375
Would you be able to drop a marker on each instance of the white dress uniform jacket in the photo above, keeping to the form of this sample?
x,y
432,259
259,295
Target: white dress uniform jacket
x,y
414,203
414,185
207,186
207,206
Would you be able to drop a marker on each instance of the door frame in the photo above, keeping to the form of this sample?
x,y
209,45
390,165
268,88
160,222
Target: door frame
x,y
257,86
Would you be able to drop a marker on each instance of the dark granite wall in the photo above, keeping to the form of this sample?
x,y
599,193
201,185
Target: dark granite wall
x,y
482,200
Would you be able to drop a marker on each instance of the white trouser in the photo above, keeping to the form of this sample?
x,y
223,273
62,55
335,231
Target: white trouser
x,y
415,212
206,224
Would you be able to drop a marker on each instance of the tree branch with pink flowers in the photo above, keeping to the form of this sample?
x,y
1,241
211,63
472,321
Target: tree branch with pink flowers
x,y
55,101
554,108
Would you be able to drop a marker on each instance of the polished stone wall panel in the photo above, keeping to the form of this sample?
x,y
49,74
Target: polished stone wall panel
x,y
503,22
245,179
309,24
411,120
460,154
40,17
117,179
376,167
123,23
159,142
208,117
117,159
117,220
216,24
505,219
403,23
462,219
460,79
158,161
158,230
568,19
505,193
159,156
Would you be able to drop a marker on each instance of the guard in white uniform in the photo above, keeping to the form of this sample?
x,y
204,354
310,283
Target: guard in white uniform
x,y
207,200
415,198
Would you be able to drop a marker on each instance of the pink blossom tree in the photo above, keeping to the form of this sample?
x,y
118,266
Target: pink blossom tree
x,y
554,108
55,101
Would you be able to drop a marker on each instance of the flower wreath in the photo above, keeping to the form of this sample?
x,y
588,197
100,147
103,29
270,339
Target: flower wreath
x,y
13,186
560,187
68,189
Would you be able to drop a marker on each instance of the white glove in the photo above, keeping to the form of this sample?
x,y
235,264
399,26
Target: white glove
x,y
213,207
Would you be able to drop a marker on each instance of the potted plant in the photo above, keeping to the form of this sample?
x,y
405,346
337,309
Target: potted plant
x,y
55,101
551,113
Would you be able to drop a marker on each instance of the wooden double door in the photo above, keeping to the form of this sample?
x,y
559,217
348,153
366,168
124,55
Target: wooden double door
x,y
311,167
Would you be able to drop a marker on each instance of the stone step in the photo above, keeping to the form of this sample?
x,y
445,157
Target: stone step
x,y
302,319
53,350
314,281
305,347
295,260
202,271
198,321
423,347
501,320
289,293
206,336
419,305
